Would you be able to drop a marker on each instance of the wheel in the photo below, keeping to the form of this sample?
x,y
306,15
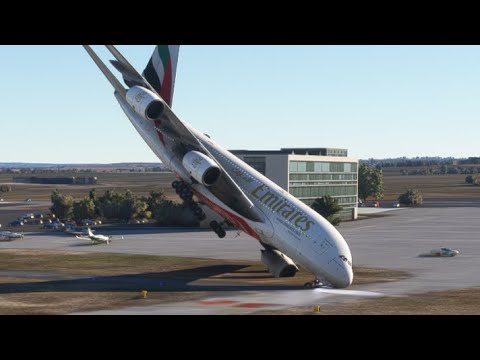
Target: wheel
x,y
308,285
193,205
221,233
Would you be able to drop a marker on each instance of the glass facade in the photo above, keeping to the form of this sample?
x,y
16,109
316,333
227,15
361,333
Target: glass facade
x,y
256,162
309,180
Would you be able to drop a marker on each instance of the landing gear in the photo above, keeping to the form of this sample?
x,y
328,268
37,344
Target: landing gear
x,y
218,229
313,284
186,194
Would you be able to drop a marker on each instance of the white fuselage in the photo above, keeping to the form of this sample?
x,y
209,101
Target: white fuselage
x,y
288,224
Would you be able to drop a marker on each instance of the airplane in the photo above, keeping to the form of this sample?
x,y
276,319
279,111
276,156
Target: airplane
x,y
290,232
95,239
72,230
442,252
9,236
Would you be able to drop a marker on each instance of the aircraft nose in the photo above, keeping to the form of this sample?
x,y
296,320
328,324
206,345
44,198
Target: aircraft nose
x,y
348,277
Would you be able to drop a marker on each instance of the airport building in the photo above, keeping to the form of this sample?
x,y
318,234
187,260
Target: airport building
x,y
310,173
60,180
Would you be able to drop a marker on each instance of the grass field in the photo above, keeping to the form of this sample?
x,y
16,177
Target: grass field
x,y
101,281
431,186
138,183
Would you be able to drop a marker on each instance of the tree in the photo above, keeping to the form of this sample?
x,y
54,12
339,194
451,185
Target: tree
x,y
412,197
167,213
155,198
5,188
470,179
62,205
121,206
327,207
84,209
370,182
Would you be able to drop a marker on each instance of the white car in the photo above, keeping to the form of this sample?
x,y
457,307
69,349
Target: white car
x,y
441,252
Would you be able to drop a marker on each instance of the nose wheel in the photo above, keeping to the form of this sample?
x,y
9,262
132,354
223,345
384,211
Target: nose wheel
x,y
218,229
313,284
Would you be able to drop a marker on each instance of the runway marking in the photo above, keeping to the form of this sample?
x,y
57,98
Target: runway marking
x,y
218,302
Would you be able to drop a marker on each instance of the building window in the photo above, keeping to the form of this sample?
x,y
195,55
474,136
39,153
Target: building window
x,y
256,162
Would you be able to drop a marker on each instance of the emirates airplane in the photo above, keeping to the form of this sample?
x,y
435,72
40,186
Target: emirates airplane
x,y
290,232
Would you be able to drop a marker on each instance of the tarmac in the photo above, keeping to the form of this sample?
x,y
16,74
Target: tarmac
x,y
393,241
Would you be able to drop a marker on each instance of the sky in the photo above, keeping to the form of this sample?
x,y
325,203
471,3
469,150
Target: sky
x,y
376,101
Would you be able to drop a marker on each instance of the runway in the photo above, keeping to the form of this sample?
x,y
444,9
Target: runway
x,y
393,241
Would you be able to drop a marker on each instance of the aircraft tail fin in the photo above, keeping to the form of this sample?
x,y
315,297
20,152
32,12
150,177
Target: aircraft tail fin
x,y
89,232
161,71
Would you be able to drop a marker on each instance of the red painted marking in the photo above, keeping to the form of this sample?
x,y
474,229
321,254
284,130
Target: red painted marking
x,y
254,305
219,302
166,91
237,221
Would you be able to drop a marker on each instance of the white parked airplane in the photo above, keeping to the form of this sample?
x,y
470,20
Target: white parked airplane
x,y
290,231
95,239
8,235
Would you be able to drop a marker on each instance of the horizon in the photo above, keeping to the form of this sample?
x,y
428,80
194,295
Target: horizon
x,y
3,163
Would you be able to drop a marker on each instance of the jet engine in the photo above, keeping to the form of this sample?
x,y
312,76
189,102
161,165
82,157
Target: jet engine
x,y
279,264
146,103
201,168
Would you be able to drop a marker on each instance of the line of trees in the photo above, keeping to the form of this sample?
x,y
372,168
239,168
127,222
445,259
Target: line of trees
x,y
442,170
122,207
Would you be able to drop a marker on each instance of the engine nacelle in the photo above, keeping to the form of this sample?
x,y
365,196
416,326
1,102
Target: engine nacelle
x,y
201,168
279,264
146,103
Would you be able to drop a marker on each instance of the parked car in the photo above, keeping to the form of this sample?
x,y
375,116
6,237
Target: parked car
x,y
88,222
441,252
16,223
396,204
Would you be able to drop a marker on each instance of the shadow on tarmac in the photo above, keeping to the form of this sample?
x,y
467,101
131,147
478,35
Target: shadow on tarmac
x,y
166,281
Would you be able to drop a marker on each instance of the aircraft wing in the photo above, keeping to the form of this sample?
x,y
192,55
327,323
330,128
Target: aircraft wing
x,y
225,189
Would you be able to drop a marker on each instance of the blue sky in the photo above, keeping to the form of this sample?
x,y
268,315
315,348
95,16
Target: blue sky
x,y
377,101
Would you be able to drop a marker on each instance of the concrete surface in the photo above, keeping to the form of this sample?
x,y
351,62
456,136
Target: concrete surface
x,y
393,241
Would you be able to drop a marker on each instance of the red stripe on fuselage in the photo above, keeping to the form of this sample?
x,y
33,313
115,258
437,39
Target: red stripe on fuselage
x,y
235,220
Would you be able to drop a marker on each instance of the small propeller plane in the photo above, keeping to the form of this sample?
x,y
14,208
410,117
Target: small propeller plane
x,y
95,239
9,236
